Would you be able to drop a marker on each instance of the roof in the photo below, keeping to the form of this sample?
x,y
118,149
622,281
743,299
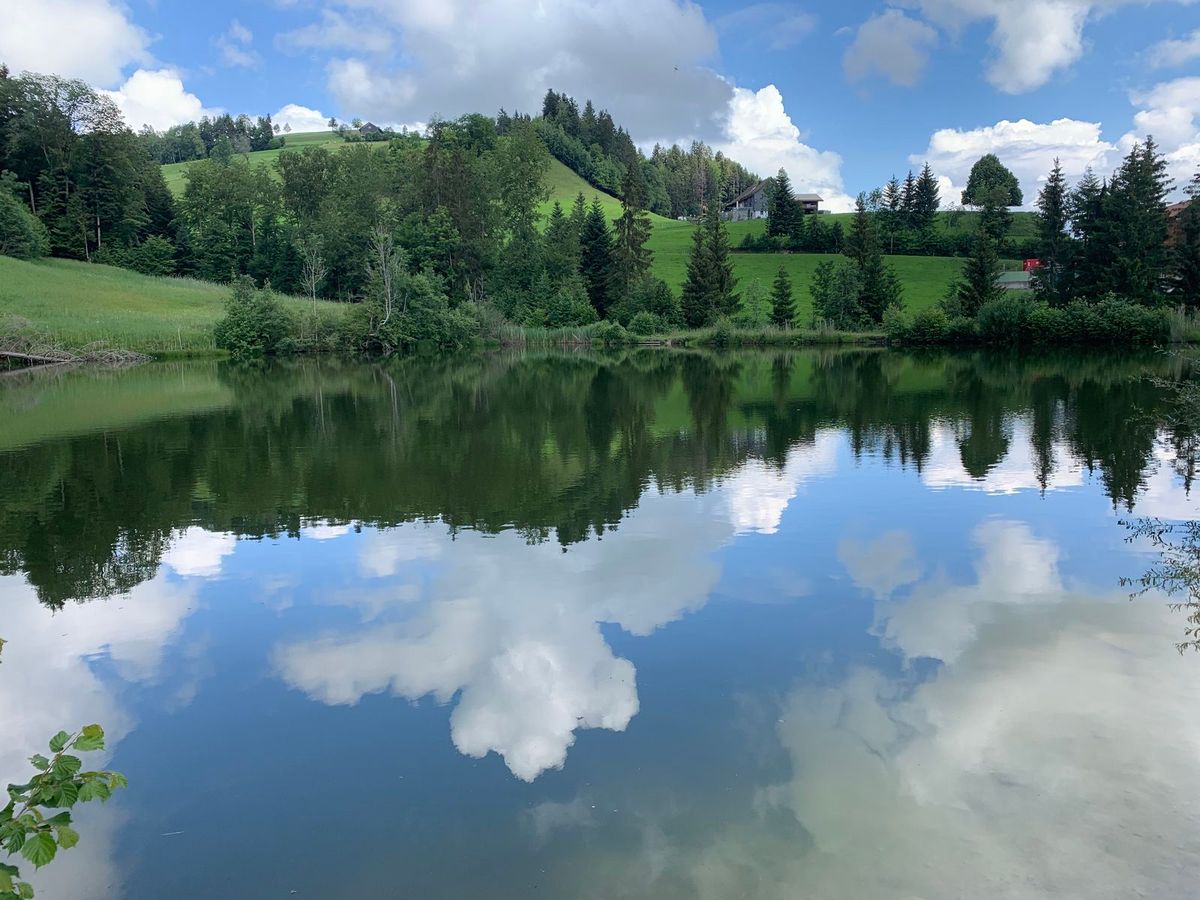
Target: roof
x,y
747,193
809,198
1014,277
1176,208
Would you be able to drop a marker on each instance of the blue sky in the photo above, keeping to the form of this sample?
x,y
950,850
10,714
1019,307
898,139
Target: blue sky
x,y
842,94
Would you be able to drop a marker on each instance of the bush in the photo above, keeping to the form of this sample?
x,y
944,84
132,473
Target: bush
x,y
722,333
646,323
609,333
1004,320
255,324
21,233
568,307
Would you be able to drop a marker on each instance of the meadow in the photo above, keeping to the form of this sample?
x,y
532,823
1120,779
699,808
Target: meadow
x,y
74,304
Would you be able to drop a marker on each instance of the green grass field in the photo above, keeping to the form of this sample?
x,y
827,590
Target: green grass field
x,y
173,174
76,303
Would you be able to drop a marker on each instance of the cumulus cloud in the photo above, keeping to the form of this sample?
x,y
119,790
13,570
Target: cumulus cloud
x,y
965,774
882,565
1032,39
1018,469
1027,148
890,44
463,56
157,98
758,494
761,135
199,553
511,631
300,118
47,683
236,46
89,39
1175,51
1170,111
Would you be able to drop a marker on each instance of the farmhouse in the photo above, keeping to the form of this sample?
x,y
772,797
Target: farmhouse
x,y
1174,211
752,203
370,128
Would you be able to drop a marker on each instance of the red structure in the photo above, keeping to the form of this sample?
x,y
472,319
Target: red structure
x,y
1031,264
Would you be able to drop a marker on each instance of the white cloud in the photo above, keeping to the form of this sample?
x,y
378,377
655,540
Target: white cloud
x,y
511,631
882,565
157,98
1027,148
761,135
994,770
323,531
235,46
891,44
1017,470
462,57
47,683
1170,111
200,553
1175,52
300,118
758,494
1033,39
89,39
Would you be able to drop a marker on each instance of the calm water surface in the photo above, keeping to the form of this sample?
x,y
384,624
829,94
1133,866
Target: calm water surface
x,y
822,625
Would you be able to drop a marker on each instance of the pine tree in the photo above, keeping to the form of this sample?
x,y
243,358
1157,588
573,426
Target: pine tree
x,y
1138,226
890,210
1051,279
977,285
562,247
631,258
908,200
724,300
1185,286
696,296
1090,259
596,257
782,212
926,200
783,306
879,287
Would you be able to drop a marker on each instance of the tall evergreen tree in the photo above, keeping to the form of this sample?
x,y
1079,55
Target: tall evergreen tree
x,y
977,285
1052,278
783,306
696,295
1138,225
879,287
1089,225
782,211
595,242
891,198
926,200
631,258
562,247
708,288
724,300
1185,285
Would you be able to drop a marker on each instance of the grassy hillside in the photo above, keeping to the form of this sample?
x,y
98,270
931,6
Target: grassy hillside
x,y
173,173
924,278
77,303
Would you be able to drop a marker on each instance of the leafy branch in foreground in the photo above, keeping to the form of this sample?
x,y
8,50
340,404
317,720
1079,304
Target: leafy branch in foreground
x,y
1177,572
28,824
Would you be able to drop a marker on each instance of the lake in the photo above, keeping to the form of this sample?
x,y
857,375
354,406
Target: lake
x,y
831,624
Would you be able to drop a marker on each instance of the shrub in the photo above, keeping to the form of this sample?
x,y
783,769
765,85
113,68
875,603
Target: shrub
x,y
21,233
722,333
929,326
646,323
255,324
1003,320
610,333
568,307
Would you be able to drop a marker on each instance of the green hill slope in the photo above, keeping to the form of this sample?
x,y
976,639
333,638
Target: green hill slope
x,y
77,303
924,278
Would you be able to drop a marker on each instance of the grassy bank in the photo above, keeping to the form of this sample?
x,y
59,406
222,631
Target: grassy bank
x,y
74,304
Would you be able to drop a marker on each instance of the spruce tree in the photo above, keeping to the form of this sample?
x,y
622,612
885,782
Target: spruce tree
x,y
926,200
782,212
1051,279
890,210
696,296
879,287
562,246
1090,259
724,300
1185,286
595,264
631,258
783,306
1137,225
977,285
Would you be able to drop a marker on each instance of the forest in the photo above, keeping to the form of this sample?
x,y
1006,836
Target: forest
x,y
443,236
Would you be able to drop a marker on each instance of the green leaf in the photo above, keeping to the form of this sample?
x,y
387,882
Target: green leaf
x,y
6,882
91,738
68,794
67,837
15,841
25,890
67,766
40,849
11,870
63,818
39,762
93,789
59,741
117,780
